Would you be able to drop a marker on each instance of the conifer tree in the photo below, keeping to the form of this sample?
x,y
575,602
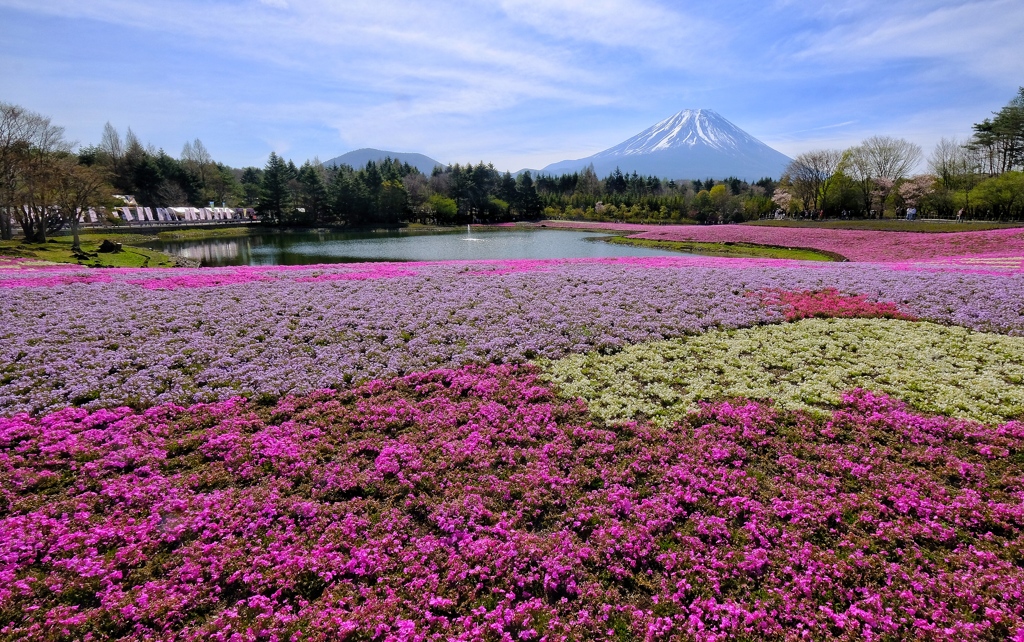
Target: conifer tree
x,y
275,199
313,192
527,201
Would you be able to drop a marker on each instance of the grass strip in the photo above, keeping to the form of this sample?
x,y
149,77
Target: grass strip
x,y
58,250
728,249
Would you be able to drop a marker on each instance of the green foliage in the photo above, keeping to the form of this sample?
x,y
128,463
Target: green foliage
x,y
527,202
312,195
275,197
443,208
1002,196
982,178
393,202
1000,140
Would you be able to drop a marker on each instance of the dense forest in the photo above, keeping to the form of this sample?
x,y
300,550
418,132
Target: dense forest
x,y
45,182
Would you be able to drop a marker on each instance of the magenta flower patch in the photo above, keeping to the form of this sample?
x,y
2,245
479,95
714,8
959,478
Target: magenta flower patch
x,y
475,504
856,245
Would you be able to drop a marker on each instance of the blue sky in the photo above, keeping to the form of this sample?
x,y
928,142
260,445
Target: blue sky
x,y
520,83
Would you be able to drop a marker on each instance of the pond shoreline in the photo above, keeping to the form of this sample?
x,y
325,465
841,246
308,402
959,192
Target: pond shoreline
x,y
324,246
156,252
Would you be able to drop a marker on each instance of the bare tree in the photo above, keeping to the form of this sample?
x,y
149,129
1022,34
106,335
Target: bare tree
x,y
416,187
110,144
197,160
588,185
879,163
958,165
16,124
36,210
134,151
891,158
813,174
946,161
76,188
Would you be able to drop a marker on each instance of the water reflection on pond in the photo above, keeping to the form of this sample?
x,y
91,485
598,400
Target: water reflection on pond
x,y
304,248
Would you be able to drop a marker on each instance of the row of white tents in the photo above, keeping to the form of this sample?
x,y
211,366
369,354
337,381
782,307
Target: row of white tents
x,y
170,214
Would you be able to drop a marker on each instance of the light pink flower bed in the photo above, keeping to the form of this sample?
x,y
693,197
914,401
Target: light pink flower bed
x,y
855,245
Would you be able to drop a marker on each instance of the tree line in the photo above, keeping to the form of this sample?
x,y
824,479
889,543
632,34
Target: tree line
x,y
388,193
45,183
981,177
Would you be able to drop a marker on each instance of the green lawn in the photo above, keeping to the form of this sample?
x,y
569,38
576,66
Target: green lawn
x,y
735,250
58,250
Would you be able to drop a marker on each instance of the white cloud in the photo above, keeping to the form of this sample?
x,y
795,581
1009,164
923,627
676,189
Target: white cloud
x,y
983,37
524,78
665,35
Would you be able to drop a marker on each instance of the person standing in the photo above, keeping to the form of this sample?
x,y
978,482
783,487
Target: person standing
x,y
960,215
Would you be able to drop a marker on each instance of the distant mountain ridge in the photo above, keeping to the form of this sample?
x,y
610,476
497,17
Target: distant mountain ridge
x,y
360,157
693,143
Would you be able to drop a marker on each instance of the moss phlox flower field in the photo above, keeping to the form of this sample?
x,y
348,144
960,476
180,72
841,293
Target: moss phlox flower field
x,y
672,448
97,338
961,248
806,365
475,504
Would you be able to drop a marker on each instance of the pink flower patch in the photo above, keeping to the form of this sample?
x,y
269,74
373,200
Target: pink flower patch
x,y
202,280
829,303
476,504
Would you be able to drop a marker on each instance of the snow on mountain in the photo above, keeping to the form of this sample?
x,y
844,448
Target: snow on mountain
x,y
694,143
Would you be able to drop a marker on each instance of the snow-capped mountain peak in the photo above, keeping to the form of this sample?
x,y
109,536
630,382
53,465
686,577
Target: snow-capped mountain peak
x,y
688,128
691,143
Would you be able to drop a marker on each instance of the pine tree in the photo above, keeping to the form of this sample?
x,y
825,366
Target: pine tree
x,y
527,201
251,185
313,192
507,188
275,199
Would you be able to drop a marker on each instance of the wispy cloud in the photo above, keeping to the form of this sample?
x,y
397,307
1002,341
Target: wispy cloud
x,y
507,81
983,37
658,31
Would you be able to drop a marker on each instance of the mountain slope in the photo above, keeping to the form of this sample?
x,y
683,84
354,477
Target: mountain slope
x,y
694,143
360,157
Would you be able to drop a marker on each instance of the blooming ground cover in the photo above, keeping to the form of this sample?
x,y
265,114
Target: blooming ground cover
x,y
667,448
855,245
475,504
807,365
96,338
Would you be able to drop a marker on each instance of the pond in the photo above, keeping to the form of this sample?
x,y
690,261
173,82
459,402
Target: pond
x,y
304,248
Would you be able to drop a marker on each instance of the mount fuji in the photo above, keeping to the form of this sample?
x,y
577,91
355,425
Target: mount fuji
x,y
694,143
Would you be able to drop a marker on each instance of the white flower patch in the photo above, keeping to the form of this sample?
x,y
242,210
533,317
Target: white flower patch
x,y
807,366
